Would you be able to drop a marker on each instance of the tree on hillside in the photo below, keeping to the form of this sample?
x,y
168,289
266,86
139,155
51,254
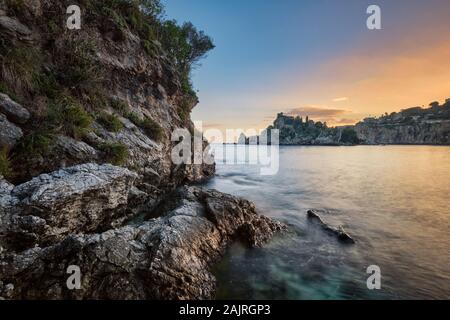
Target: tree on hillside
x,y
349,135
185,45
434,104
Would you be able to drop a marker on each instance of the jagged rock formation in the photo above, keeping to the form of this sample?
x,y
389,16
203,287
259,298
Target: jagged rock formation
x,y
167,257
339,232
86,175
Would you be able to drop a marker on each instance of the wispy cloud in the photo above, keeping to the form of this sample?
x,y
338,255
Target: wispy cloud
x,y
332,116
341,99
317,111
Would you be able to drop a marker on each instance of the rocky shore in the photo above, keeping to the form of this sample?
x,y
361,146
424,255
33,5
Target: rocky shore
x,y
78,216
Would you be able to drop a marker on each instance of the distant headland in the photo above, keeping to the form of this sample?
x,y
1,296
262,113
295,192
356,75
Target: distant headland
x,y
415,126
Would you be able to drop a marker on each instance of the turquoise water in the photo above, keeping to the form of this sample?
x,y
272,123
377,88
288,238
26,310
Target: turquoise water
x,y
394,200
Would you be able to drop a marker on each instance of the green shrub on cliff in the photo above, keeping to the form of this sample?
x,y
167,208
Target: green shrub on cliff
x,y
110,121
45,83
18,65
67,116
152,128
184,45
183,114
133,117
120,106
35,142
115,153
78,65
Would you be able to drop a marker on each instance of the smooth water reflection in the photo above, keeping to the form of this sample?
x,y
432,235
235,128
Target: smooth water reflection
x,y
393,199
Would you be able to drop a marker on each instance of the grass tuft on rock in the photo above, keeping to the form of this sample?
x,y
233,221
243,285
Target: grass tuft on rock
x,y
18,65
114,153
120,106
110,122
66,115
150,127
36,142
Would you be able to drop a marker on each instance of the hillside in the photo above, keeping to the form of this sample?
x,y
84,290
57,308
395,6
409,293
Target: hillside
x,y
410,126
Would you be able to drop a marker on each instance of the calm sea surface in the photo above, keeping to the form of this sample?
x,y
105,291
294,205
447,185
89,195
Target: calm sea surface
x,y
394,200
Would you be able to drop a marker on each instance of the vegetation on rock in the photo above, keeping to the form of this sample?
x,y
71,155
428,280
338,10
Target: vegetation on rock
x,y
115,153
69,79
110,121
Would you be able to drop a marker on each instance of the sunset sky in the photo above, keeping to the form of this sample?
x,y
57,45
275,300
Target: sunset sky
x,y
316,58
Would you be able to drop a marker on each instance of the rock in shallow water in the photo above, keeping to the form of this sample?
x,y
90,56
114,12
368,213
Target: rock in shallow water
x,y
168,257
340,232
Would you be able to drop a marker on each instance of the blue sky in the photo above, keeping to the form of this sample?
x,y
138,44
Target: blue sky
x,y
313,56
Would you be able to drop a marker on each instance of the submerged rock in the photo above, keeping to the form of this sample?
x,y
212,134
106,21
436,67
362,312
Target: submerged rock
x,y
340,232
168,257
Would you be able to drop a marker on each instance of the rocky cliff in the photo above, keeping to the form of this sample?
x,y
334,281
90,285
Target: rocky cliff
x,y
104,93
410,126
86,176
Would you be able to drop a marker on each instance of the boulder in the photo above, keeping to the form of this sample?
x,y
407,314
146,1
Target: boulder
x,y
6,200
13,111
168,257
83,198
10,134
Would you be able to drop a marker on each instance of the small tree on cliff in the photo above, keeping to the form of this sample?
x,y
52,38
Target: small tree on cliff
x,y
152,8
185,45
434,104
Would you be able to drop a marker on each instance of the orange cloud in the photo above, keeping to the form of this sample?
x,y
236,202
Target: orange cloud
x,y
340,99
332,116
